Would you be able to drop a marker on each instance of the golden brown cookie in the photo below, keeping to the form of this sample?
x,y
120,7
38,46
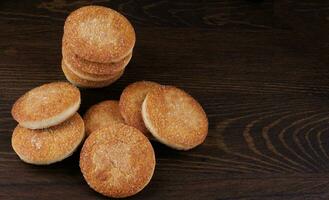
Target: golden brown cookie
x,y
89,77
175,118
117,161
99,34
76,80
46,105
102,115
93,69
47,146
131,101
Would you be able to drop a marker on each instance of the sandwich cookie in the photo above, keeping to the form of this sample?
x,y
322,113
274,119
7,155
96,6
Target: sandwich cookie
x,y
99,34
47,146
131,101
46,105
117,161
101,115
175,118
82,83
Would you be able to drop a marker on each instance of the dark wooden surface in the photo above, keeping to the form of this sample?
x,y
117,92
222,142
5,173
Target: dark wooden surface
x,y
259,68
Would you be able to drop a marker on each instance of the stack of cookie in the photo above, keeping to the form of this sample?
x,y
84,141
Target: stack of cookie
x,y
97,45
49,129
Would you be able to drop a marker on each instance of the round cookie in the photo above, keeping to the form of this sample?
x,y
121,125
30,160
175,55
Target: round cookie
x,y
93,69
89,77
117,161
46,105
131,101
47,146
82,83
102,115
99,34
174,118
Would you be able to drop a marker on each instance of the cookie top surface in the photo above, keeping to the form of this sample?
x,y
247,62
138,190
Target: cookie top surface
x,y
102,115
131,101
46,146
117,161
175,118
99,34
46,102
93,68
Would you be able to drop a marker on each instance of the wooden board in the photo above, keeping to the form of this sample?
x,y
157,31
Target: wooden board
x,y
259,68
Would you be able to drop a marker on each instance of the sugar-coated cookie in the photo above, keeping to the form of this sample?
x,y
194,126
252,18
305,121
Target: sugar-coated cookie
x,y
82,83
99,34
131,101
93,69
47,146
117,161
87,76
175,118
101,115
46,105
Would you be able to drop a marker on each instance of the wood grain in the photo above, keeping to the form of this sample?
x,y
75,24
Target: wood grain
x,y
259,68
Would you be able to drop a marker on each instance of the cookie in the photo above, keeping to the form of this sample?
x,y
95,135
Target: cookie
x,y
46,105
99,34
89,77
175,118
93,69
131,101
101,115
117,161
82,83
47,146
